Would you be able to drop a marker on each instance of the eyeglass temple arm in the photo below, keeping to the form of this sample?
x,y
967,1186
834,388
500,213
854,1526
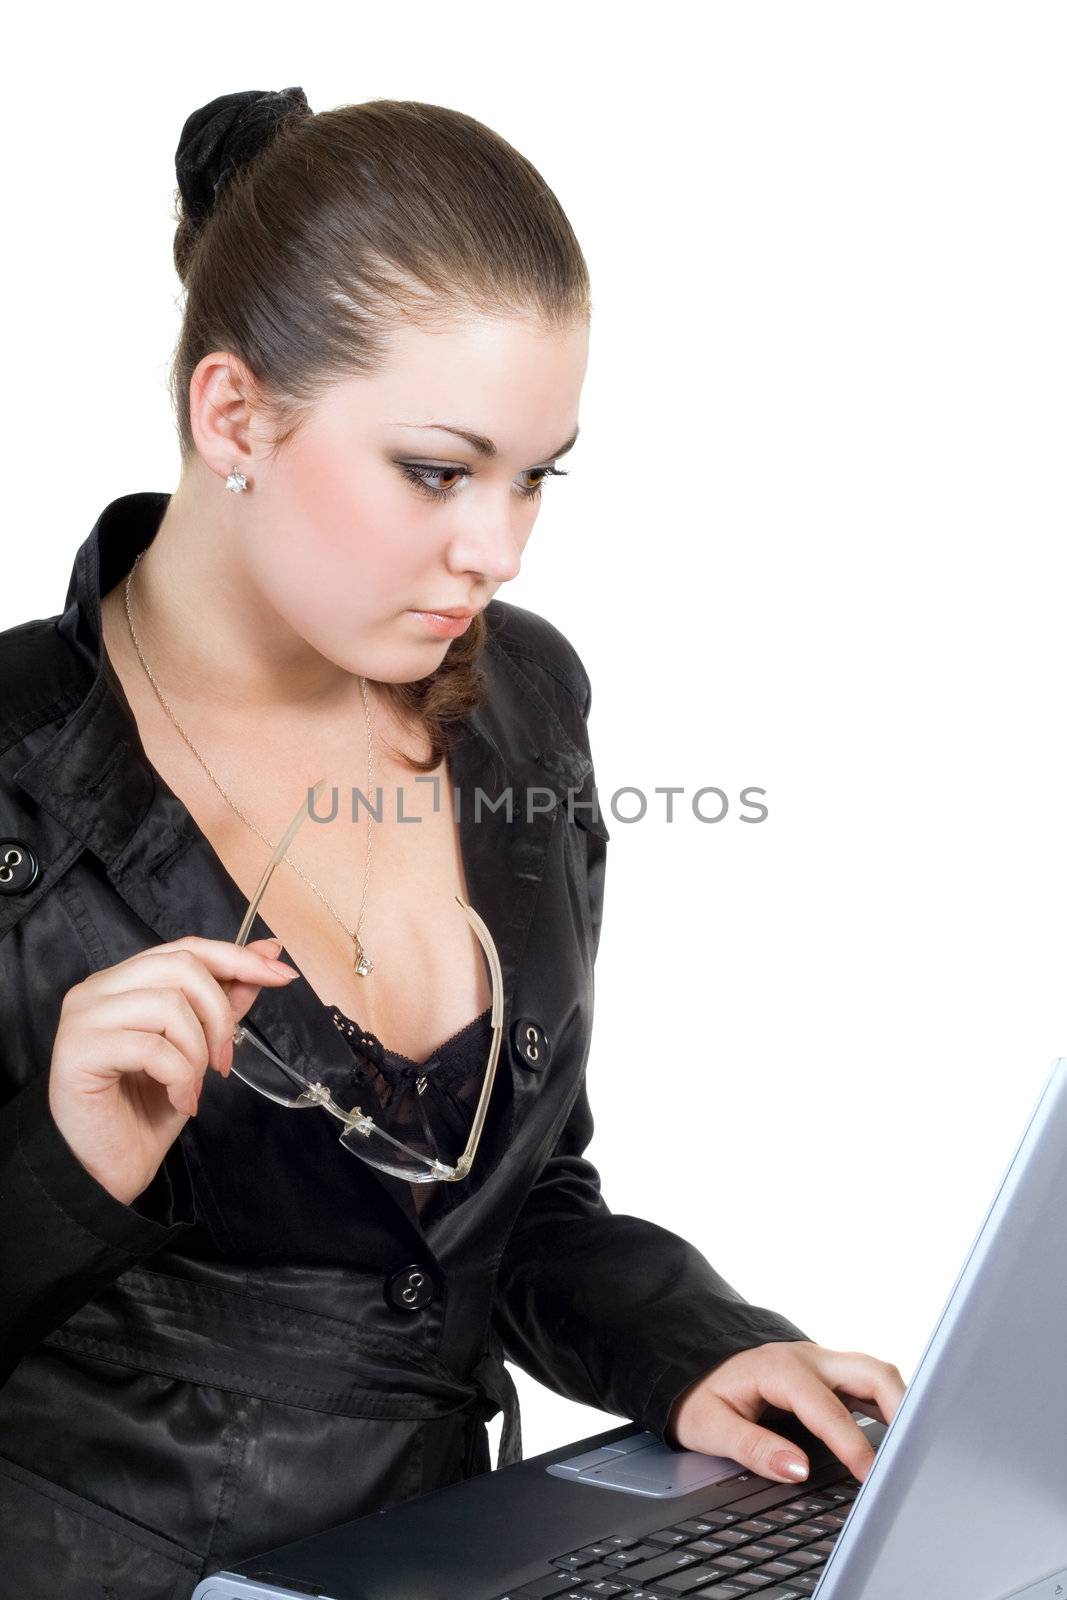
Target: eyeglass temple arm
x,y
486,939
279,850
463,1165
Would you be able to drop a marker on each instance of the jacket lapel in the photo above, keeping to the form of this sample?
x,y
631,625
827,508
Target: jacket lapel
x,y
94,778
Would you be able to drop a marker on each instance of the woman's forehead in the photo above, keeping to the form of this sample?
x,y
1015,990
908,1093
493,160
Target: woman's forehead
x,y
500,381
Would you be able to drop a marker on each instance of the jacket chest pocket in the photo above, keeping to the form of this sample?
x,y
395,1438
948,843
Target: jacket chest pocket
x,y
47,945
554,988
587,808
589,841
34,855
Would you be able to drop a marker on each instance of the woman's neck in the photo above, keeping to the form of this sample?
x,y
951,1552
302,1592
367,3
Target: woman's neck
x,y
207,634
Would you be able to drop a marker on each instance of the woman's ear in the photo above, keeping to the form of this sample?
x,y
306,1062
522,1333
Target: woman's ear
x,y
223,406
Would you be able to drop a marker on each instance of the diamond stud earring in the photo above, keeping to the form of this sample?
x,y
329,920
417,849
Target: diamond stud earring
x,y
236,481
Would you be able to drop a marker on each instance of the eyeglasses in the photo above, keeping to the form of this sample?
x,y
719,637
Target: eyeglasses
x,y
257,1065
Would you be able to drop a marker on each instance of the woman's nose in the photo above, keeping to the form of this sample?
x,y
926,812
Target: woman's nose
x,y
494,552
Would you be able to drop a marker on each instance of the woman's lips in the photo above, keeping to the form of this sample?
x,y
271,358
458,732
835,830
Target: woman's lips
x,y
444,627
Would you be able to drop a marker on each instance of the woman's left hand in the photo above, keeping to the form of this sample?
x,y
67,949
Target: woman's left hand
x,y
717,1414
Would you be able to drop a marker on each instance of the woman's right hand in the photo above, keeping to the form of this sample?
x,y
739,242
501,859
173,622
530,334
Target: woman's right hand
x,y
134,1041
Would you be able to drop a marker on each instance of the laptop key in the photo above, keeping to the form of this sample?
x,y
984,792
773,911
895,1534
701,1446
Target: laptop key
x,y
570,1593
751,1585
812,1529
528,1592
732,1563
694,1580
546,1588
782,1516
645,1572
627,1558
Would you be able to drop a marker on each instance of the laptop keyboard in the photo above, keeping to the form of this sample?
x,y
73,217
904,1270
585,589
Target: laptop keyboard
x,y
778,1553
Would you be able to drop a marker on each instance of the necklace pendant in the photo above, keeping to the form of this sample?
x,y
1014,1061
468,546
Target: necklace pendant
x,y
362,964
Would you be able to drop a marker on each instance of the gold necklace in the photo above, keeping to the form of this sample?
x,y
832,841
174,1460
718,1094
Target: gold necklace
x,y
361,963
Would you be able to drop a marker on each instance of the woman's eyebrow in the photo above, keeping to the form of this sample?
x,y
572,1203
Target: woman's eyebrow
x,y
478,441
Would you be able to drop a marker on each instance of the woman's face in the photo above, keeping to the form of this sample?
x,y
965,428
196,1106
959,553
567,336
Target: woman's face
x,y
377,510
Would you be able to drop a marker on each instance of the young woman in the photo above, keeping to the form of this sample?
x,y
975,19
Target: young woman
x,y
226,1324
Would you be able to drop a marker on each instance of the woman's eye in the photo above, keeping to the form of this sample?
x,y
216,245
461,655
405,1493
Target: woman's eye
x,y
531,490
432,480
441,483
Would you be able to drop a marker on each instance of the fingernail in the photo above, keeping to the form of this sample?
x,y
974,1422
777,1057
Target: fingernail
x,y
284,968
273,944
787,1466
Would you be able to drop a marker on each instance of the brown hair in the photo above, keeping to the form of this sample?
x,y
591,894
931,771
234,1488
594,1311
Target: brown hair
x,y
343,224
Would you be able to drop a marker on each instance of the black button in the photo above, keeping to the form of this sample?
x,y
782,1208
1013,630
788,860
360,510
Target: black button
x,y
411,1288
531,1044
18,866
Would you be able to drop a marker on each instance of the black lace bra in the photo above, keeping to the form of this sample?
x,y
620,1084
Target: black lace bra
x,y
427,1104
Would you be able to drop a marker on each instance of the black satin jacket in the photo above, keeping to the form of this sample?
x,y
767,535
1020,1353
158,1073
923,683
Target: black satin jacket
x,y
268,1341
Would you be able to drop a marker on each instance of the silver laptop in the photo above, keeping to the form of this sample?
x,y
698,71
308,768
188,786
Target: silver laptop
x,y
966,1499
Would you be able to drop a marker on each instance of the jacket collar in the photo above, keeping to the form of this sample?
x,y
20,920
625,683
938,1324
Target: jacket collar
x,y
93,776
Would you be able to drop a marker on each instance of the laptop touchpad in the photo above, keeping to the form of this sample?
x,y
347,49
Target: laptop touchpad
x,y
643,1464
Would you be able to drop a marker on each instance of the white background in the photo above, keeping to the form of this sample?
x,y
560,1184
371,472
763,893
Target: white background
x,y
812,540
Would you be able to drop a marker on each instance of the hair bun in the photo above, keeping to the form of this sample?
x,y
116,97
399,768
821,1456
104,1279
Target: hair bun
x,y
222,135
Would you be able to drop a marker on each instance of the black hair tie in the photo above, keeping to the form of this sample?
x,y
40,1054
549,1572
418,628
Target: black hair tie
x,y
220,137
